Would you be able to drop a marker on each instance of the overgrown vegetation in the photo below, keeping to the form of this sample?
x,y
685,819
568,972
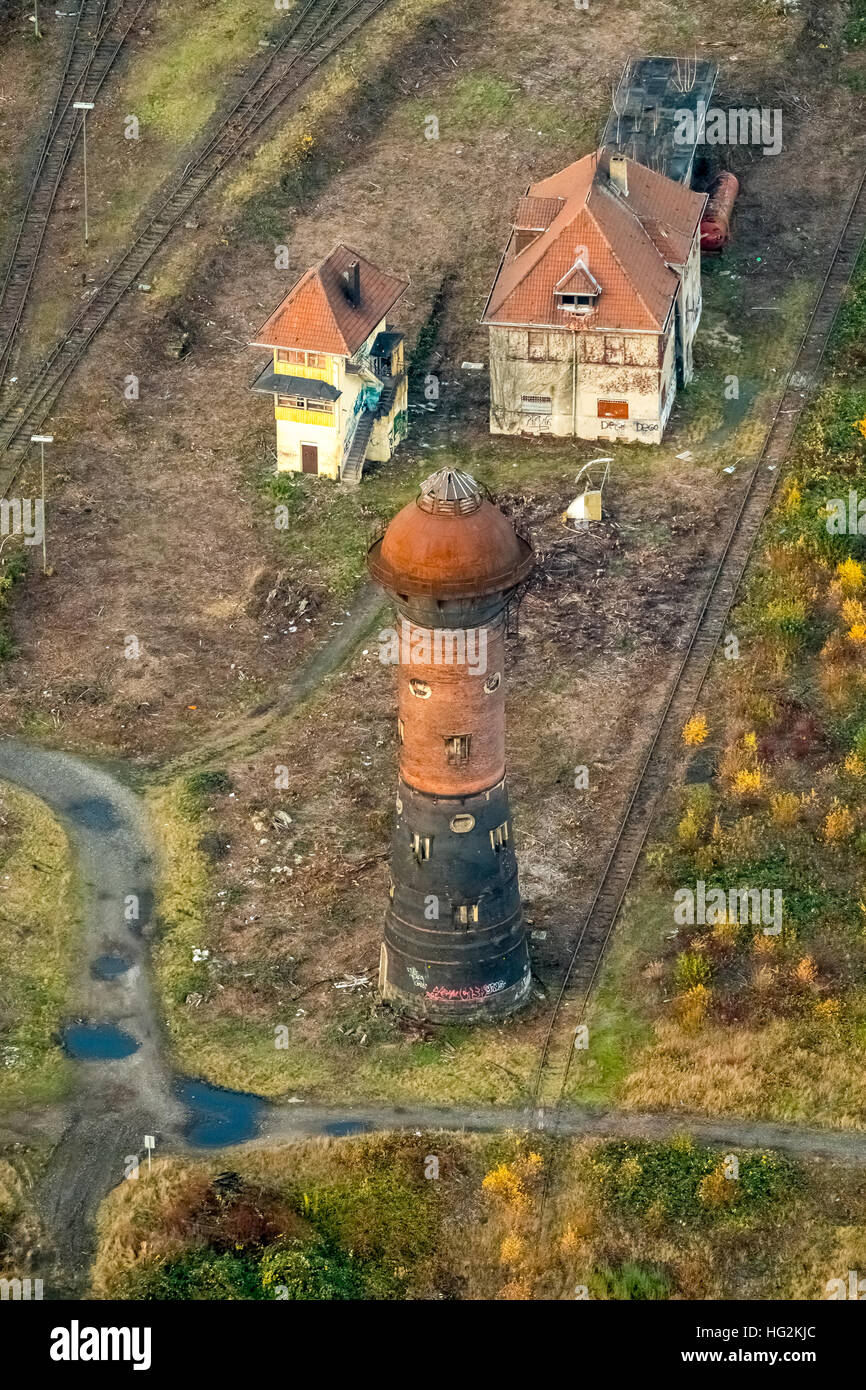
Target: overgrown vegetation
x,y
777,807
39,920
404,1216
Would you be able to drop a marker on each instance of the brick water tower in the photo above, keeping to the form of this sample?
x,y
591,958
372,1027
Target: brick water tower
x,y
455,941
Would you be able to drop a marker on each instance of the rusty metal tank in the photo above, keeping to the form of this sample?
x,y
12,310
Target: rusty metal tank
x,y
716,221
450,557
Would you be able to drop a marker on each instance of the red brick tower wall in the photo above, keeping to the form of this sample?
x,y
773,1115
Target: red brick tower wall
x,y
462,702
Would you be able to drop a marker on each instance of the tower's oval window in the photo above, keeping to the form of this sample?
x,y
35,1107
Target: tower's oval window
x,y
420,689
461,825
493,683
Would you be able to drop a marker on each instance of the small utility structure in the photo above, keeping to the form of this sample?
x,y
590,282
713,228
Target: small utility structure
x,y
586,506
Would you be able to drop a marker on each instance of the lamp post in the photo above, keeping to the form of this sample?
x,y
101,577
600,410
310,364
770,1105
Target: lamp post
x,y
34,20
84,106
42,440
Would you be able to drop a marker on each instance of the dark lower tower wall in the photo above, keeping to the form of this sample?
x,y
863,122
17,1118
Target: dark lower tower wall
x,y
455,939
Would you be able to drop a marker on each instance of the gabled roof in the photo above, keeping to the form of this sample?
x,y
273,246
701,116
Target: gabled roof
x,y
317,315
627,243
578,280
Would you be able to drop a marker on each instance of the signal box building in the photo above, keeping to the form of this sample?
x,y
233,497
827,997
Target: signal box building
x,y
337,372
595,307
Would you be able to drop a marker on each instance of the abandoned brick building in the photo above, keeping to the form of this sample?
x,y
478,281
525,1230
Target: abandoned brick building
x,y
596,303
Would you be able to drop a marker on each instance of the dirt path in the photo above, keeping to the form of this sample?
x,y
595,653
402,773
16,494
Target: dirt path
x,y
282,1123
249,733
115,1102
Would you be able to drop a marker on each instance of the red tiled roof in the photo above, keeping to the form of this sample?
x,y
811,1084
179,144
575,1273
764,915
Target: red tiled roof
x,y
628,244
317,314
535,214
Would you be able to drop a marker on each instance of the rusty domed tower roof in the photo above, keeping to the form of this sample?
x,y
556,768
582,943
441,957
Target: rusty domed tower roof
x,y
450,543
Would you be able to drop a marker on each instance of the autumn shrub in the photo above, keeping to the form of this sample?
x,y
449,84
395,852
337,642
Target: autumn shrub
x,y
691,968
839,824
784,809
695,731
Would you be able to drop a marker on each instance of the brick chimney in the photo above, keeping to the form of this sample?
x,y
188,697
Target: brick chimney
x,y
619,173
352,279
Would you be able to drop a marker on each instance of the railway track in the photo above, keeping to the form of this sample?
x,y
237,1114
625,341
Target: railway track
x,y
98,35
315,31
653,779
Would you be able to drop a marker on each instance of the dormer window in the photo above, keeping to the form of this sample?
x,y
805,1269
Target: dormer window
x,y
576,303
578,290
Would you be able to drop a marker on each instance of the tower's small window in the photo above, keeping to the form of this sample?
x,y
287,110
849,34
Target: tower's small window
x,y
457,748
499,836
462,824
391,889
421,847
421,689
492,683
465,914
400,729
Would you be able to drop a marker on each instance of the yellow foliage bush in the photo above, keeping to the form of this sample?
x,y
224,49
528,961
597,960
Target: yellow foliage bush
x,y
510,1183
853,611
806,971
828,1009
839,824
850,575
855,765
715,1190
692,1006
505,1184
749,781
784,808
793,497
512,1250
764,945
695,730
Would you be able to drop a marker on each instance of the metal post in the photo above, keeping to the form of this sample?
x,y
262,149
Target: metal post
x,y
84,145
84,106
36,33
42,440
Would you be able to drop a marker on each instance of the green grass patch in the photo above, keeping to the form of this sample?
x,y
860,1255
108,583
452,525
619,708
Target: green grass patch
x,y
177,85
39,925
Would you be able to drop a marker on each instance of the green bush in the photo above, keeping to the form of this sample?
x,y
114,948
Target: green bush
x,y
197,790
637,1176
299,1272
196,1276
629,1281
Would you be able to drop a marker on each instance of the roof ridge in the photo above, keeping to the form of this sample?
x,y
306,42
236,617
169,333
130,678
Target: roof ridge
x,y
630,278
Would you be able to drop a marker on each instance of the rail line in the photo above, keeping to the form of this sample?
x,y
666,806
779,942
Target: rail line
x,y
314,32
98,36
652,780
